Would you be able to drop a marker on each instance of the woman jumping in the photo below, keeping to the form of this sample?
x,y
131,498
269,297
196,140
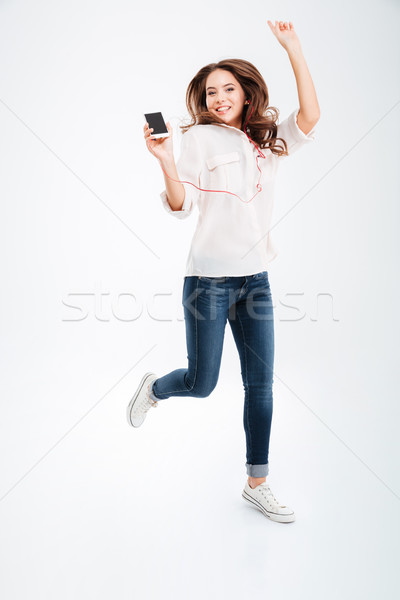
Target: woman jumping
x,y
230,154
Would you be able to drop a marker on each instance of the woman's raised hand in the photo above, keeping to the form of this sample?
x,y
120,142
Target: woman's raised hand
x,y
285,34
161,148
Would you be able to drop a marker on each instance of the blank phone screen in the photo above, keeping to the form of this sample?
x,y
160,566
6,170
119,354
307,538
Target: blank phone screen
x,y
156,122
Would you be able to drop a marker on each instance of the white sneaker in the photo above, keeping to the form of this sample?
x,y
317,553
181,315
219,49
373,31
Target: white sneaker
x,y
141,401
263,499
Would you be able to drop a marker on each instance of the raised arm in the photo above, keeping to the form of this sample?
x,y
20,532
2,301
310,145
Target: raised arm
x,y
309,113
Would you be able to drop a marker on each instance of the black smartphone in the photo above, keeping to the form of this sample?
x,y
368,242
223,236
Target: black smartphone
x,y
157,123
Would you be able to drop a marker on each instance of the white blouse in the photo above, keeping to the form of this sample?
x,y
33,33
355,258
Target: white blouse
x,y
231,237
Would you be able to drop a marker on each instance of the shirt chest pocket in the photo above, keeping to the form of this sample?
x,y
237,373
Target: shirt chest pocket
x,y
221,169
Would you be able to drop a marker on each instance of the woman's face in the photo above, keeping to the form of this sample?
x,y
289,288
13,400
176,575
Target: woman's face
x,y
224,91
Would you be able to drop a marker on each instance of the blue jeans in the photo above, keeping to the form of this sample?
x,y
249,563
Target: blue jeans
x,y
246,303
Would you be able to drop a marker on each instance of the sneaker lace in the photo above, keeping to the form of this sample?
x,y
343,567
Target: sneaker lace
x,y
149,400
146,404
266,492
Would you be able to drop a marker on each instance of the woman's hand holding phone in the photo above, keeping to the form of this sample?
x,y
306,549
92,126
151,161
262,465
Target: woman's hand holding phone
x,y
161,148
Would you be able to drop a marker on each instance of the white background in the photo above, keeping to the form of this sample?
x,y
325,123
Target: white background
x,y
93,509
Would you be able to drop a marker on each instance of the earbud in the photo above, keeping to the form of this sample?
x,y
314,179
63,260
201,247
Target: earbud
x,y
247,102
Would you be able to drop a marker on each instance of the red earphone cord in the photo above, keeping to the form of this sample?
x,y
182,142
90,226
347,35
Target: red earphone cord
x,y
260,155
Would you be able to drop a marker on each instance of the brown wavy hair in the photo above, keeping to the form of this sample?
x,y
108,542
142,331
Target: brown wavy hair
x,y
262,125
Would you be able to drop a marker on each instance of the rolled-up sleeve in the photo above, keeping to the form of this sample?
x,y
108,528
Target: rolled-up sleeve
x,y
294,137
188,167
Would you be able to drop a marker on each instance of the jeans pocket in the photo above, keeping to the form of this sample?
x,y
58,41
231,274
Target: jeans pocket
x,y
261,275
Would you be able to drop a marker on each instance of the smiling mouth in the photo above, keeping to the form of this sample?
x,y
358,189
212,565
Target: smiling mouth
x,y
223,109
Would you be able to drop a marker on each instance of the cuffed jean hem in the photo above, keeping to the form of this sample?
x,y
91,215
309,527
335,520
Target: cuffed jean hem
x,y
257,470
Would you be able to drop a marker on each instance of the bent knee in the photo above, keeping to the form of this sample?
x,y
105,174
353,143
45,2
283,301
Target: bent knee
x,y
203,387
